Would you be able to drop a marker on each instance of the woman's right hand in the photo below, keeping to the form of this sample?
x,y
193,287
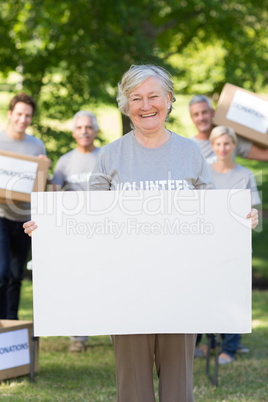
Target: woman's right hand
x,y
29,227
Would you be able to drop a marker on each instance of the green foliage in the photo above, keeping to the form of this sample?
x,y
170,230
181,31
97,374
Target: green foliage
x,y
58,142
204,70
259,256
73,52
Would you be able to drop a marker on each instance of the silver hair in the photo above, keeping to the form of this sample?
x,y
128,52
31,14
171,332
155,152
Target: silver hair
x,y
135,76
200,98
221,130
88,114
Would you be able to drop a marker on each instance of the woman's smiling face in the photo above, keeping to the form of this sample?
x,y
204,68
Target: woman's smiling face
x,y
223,147
148,106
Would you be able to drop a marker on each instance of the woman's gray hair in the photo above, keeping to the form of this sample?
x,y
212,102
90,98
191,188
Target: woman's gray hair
x,y
87,114
135,76
221,130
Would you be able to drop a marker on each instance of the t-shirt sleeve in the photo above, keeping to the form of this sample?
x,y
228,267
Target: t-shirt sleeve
x,y
58,174
243,146
99,180
36,144
43,149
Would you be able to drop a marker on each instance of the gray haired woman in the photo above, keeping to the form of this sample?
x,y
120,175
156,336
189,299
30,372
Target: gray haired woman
x,y
150,157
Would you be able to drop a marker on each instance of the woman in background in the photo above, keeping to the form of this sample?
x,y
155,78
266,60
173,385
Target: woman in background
x,y
229,175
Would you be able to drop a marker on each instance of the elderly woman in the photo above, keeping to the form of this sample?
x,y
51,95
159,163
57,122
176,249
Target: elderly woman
x,y
147,157
229,175
151,154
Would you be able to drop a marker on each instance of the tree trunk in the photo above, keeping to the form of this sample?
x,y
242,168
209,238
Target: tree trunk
x,y
125,124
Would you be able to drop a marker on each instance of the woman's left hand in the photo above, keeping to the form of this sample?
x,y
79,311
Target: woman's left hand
x,y
254,215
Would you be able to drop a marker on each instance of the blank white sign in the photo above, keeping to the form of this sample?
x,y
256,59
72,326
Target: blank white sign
x,y
141,262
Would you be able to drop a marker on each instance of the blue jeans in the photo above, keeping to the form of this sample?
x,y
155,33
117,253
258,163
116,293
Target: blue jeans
x,y
230,343
14,249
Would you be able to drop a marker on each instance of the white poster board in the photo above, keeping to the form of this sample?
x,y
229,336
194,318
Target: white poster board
x,y
17,174
141,262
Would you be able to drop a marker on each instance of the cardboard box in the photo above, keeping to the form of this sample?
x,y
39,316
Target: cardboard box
x,y
15,349
20,175
245,112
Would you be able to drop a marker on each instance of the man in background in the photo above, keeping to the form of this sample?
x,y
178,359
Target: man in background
x,y
202,113
72,172
14,245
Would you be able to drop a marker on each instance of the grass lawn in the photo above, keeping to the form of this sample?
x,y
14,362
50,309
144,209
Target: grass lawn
x,y
90,376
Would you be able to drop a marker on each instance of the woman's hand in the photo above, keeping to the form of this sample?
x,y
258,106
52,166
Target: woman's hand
x,y
29,227
254,215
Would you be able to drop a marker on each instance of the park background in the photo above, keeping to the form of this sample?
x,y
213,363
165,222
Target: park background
x,y
70,55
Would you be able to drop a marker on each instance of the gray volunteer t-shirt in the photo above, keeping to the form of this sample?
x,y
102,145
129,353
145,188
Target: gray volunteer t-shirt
x,y
19,211
242,149
73,170
127,165
237,178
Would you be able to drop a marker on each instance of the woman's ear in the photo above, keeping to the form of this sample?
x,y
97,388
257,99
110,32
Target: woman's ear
x,y
169,100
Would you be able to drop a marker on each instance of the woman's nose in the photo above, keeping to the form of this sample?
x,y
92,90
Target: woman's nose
x,y
145,104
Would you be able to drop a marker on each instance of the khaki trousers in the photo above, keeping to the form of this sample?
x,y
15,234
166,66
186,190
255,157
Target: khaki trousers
x,y
134,359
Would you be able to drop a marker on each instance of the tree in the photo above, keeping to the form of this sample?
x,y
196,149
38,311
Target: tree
x,y
71,52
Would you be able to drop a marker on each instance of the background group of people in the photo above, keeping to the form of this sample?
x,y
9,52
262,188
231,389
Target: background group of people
x,y
148,152
220,145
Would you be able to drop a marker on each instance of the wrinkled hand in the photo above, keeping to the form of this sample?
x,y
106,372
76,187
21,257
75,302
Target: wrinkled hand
x,y
29,227
254,215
